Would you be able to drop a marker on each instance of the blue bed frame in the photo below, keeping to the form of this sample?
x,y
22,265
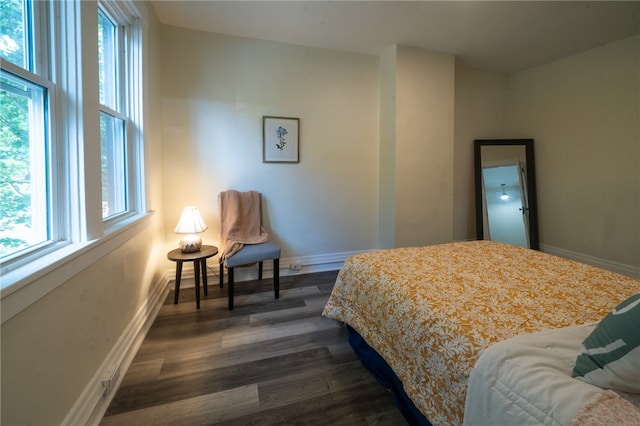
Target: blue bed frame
x,y
383,373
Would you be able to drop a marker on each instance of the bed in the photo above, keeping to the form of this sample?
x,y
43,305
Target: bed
x,y
430,312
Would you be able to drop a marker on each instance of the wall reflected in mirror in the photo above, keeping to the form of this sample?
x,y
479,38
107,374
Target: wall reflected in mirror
x,y
505,192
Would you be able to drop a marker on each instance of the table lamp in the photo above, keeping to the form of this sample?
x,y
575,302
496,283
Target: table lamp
x,y
190,224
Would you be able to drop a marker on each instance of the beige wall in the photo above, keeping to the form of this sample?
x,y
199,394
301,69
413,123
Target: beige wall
x,y
328,203
214,96
393,130
52,349
424,147
416,147
480,113
583,113
387,174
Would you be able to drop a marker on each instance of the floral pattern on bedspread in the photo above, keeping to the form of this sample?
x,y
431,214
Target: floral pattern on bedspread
x,y
431,311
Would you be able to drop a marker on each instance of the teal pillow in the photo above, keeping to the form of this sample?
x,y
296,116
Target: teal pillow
x,y
610,356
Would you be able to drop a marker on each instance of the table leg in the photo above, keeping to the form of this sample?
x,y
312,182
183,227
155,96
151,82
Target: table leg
x,y
196,270
178,276
203,262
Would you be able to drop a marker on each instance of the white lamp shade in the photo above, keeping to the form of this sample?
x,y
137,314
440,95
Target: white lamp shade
x,y
190,222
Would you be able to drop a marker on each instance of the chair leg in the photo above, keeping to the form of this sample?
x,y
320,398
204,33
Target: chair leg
x,y
222,275
230,279
276,277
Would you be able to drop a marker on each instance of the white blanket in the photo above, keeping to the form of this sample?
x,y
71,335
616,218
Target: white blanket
x,y
526,380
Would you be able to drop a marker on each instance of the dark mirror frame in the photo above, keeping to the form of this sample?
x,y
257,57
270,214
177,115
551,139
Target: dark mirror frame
x,y
534,241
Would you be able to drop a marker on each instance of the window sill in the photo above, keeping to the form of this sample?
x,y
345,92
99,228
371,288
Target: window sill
x,y
18,293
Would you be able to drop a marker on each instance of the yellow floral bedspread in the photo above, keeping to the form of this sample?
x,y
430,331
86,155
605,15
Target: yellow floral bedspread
x,y
431,311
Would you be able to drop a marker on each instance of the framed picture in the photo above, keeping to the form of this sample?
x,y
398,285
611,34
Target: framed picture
x,y
280,140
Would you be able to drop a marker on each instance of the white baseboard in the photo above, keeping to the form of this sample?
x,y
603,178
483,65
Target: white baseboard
x,y
288,266
94,400
609,265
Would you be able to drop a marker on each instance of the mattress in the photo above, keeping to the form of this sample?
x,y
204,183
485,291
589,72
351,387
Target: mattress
x,y
431,311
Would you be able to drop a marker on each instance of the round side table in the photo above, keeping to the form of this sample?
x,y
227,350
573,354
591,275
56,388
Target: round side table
x,y
199,259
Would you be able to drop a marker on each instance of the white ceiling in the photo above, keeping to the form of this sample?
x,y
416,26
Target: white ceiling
x,y
504,36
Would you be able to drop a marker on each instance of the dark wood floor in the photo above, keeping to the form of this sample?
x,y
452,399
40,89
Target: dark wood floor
x,y
267,362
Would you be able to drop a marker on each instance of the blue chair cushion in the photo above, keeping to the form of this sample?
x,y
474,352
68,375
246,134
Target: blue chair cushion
x,y
252,253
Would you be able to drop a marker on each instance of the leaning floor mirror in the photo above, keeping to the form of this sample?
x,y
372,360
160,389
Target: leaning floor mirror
x,y
506,208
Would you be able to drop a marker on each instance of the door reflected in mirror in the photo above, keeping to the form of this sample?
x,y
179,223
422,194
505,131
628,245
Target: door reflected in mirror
x,y
505,192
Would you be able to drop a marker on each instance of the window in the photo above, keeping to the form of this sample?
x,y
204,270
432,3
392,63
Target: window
x,y
55,203
25,155
113,121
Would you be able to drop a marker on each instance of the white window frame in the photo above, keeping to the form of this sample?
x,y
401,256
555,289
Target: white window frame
x,y
128,98
40,74
81,236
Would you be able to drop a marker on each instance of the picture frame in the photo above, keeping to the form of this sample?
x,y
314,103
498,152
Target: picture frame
x,y
280,139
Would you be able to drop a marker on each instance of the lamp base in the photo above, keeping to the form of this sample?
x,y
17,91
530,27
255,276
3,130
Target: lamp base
x,y
190,244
